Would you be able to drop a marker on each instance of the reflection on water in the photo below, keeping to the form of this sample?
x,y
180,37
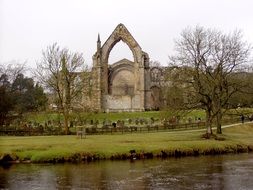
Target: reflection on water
x,y
216,172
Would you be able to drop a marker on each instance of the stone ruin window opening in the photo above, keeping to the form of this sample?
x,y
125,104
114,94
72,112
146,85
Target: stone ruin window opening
x,y
120,51
121,74
121,70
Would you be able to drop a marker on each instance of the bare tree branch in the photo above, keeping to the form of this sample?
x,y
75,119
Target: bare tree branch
x,y
209,62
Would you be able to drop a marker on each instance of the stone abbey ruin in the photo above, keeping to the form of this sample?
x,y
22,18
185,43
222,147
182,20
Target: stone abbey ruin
x,y
125,85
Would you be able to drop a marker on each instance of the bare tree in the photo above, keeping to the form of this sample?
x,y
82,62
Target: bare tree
x,y
209,63
12,69
154,63
62,71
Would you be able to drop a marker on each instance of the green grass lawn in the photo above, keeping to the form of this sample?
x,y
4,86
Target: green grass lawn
x,y
44,148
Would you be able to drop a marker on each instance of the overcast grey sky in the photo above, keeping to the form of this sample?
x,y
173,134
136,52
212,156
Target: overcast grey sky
x,y
29,26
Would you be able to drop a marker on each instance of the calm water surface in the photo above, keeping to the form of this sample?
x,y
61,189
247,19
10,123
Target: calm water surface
x,y
216,172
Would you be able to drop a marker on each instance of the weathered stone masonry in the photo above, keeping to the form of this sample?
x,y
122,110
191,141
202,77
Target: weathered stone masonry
x,y
124,85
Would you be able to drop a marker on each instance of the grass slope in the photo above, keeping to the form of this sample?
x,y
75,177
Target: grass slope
x,y
47,148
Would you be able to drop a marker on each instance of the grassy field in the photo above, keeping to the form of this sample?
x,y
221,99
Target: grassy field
x,y
48,148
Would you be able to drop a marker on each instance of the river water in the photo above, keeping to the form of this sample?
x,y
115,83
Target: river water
x,y
204,172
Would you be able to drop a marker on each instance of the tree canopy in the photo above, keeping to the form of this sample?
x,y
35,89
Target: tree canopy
x,y
207,67
61,71
18,93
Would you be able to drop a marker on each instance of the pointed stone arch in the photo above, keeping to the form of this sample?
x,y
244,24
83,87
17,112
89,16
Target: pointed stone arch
x,y
121,33
120,51
101,73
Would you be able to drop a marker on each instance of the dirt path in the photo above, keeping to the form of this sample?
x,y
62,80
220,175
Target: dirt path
x,y
223,127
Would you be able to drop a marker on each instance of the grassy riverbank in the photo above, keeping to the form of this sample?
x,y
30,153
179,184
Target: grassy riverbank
x,y
181,143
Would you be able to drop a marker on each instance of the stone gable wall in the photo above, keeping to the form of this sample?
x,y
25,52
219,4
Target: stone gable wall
x,y
125,85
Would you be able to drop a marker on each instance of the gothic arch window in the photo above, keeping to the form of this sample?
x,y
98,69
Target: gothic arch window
x,y
121,33
120,51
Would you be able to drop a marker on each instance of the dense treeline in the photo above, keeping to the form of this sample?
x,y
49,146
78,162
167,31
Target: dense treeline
x,y
18,93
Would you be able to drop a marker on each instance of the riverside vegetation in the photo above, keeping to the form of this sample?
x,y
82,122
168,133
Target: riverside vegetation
x,y
56,149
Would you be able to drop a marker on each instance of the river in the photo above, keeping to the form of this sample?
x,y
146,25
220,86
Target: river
x,y
204,172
